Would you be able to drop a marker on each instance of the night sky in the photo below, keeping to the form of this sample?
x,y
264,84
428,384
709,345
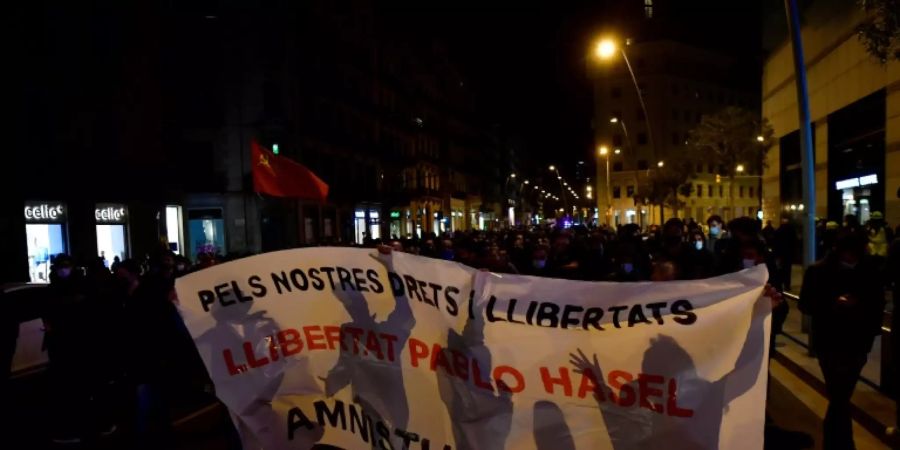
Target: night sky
x,y
526,60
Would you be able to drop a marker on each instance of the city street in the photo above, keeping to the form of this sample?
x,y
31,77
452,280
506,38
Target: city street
x,y
793,406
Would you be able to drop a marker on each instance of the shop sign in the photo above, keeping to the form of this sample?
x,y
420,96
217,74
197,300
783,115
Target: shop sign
x,y
856,182
44,212
110,213
395,214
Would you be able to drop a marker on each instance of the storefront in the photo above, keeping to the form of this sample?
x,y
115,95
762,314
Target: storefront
x,y
206,229
174,232
46,232
856,159
112,232
366,223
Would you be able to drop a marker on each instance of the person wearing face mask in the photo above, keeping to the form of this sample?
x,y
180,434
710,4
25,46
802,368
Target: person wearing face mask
x,y
716,232
700,257
539,257
66,339
844,296
680,255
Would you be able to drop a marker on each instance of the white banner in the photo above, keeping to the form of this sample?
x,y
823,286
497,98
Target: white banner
x,y
357,350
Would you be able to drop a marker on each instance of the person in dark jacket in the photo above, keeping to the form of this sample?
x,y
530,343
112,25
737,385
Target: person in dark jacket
x,y
784,246
845,297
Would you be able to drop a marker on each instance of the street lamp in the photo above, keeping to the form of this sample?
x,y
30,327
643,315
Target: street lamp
x,y
605,50
512,175
614,120
617,151
561,188
525,182
660,164
760,138
739,168
603,152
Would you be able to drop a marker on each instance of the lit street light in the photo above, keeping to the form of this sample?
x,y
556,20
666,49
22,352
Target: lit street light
x,y
617,151
660,164
552,168
525,182
760,138
606,49
512,175
739,168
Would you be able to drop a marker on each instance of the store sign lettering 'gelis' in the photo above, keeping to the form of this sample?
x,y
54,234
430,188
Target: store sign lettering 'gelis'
x,y
110,213
45,212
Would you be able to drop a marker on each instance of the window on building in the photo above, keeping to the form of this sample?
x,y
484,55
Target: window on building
x,y
676,138
675,114
709,192
617,140
616,92
750,194
629,191
709,168
617,166
648,9
642,164
699,190
642,138
700,168
617,192
741,192
687,116
721,190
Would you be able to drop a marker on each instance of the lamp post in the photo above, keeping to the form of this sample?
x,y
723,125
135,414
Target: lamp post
x,y
606,49
561,187
603,152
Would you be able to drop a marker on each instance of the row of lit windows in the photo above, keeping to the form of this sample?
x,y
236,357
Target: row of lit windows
x,y
697,189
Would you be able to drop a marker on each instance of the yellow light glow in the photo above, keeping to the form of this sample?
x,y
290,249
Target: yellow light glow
x,y
614,120
603,150
618,150
512,175
760,138
660,164
739,168
606,49
552,167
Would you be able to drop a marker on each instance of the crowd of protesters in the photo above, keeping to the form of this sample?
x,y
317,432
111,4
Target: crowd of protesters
x,y
128,309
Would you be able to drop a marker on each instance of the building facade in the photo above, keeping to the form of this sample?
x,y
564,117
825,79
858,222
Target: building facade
x,y
141,126
855,108
679,83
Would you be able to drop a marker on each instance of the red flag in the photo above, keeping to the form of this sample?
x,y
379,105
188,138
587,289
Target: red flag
x,y
281,177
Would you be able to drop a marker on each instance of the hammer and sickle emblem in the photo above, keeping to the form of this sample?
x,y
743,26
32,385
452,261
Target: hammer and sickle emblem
x,y
264,161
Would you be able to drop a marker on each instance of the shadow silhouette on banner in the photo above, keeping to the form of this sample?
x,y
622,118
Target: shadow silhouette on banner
x,y
376,380
481,418
254,419
638,427
550,429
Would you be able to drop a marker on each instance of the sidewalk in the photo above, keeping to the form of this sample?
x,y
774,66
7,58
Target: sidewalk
x,y
792,367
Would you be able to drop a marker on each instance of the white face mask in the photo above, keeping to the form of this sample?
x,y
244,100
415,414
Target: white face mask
x,y
748,263
627,267
713,231
64,272
698,245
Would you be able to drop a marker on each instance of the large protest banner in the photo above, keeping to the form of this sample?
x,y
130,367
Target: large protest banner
x,y
352,349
